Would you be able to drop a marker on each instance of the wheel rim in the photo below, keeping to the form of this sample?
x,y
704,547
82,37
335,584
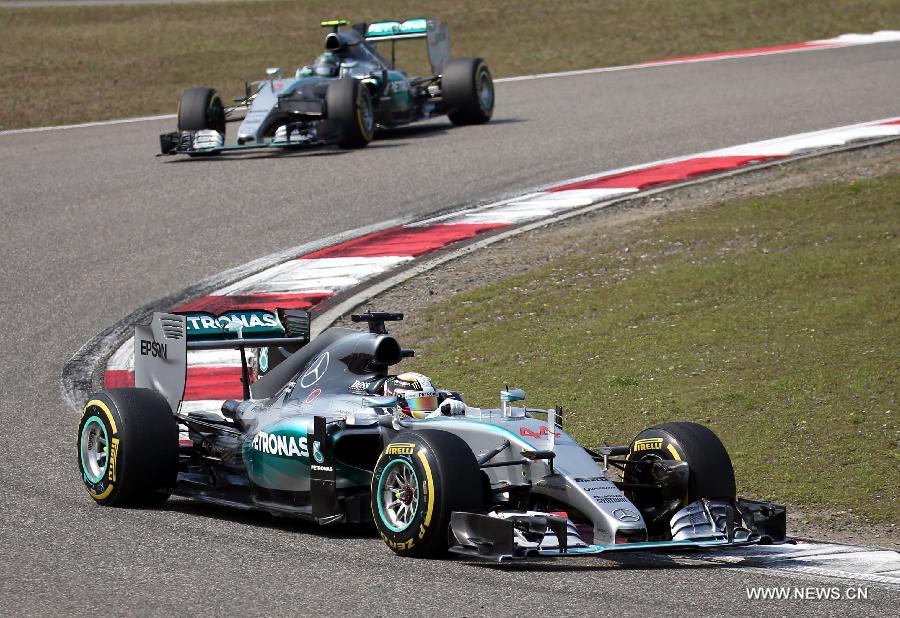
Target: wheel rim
x,y
485,90
642,477
398,495
94,449
216,115
364,113
366,117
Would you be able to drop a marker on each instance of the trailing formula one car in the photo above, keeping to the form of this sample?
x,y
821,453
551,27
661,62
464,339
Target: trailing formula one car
x,y
328,434
343,97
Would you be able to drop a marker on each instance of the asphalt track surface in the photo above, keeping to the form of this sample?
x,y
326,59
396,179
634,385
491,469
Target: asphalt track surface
x,y
94,227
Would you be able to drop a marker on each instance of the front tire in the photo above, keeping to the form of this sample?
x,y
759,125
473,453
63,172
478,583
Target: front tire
x,y
128,447
201,109
351,112
468,91
422,477
711,474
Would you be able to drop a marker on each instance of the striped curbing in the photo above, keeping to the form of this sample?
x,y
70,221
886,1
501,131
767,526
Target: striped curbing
x,y
310,279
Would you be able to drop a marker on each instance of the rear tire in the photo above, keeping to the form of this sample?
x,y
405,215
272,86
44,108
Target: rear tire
x,y
201,109
422,477
468,91
128,447
351,112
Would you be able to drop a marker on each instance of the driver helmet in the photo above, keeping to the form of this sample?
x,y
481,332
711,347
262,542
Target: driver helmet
x,y
416,395
327,65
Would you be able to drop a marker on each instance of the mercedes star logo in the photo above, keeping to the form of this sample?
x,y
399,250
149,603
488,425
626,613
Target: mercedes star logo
x,y
626,515
315,371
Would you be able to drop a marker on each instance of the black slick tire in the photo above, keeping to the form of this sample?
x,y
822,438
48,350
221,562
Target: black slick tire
x,y
127,447
350,111
468,91
443,477
711,471
201,109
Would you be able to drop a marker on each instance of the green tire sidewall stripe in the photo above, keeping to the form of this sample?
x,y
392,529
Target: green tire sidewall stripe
x,y
96,420
378,499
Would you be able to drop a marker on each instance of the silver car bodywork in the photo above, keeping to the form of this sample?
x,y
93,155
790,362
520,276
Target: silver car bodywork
x,y
306,445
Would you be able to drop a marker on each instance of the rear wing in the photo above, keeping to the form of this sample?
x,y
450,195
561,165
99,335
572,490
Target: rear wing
x,y
436,34
160,349
395,30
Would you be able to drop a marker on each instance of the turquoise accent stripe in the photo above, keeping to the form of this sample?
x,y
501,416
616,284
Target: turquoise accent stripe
x,y
378,493
94,420
299,425
499,431
598,549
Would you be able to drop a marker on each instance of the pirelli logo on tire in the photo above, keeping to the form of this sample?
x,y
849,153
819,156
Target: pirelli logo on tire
x,y
113,454
400,448
647,444
398,545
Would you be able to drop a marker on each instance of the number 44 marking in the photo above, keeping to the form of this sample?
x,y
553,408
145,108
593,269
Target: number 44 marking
x,y
525,432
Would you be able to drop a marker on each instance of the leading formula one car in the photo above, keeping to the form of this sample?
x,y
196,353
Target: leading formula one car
x,y
343,97
317,438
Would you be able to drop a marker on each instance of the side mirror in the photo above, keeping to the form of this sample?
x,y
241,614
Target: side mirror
x,y
507,397
273,73
380,402
516,394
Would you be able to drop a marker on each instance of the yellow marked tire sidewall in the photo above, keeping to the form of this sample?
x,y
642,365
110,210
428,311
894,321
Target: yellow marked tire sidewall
x,y
360,102
102,409
657,444
422,527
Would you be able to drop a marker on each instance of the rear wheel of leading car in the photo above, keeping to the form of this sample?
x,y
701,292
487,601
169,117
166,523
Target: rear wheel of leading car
x,y
711,474
468,91
128,447
351,112
422,477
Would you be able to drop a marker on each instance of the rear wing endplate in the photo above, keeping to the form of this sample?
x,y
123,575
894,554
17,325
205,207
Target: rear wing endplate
x,y
160,354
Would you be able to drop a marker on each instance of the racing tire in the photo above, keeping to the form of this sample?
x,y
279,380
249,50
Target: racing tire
x,y
127,450
201,109
438,474
351,112
468,91
711,471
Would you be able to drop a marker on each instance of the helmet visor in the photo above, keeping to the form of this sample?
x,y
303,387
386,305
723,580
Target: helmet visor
x,y
421,402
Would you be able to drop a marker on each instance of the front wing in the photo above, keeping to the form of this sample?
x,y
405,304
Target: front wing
x,y
488,538
183,143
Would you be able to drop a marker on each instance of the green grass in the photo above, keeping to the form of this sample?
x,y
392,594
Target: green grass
x,y
65,65
775,321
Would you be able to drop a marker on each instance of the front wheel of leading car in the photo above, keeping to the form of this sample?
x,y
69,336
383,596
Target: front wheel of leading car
x,y
128,447
351,112
422,477
468,91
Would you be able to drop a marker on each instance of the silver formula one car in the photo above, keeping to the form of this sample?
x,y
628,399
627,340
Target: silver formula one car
x,y
317,438
347,93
